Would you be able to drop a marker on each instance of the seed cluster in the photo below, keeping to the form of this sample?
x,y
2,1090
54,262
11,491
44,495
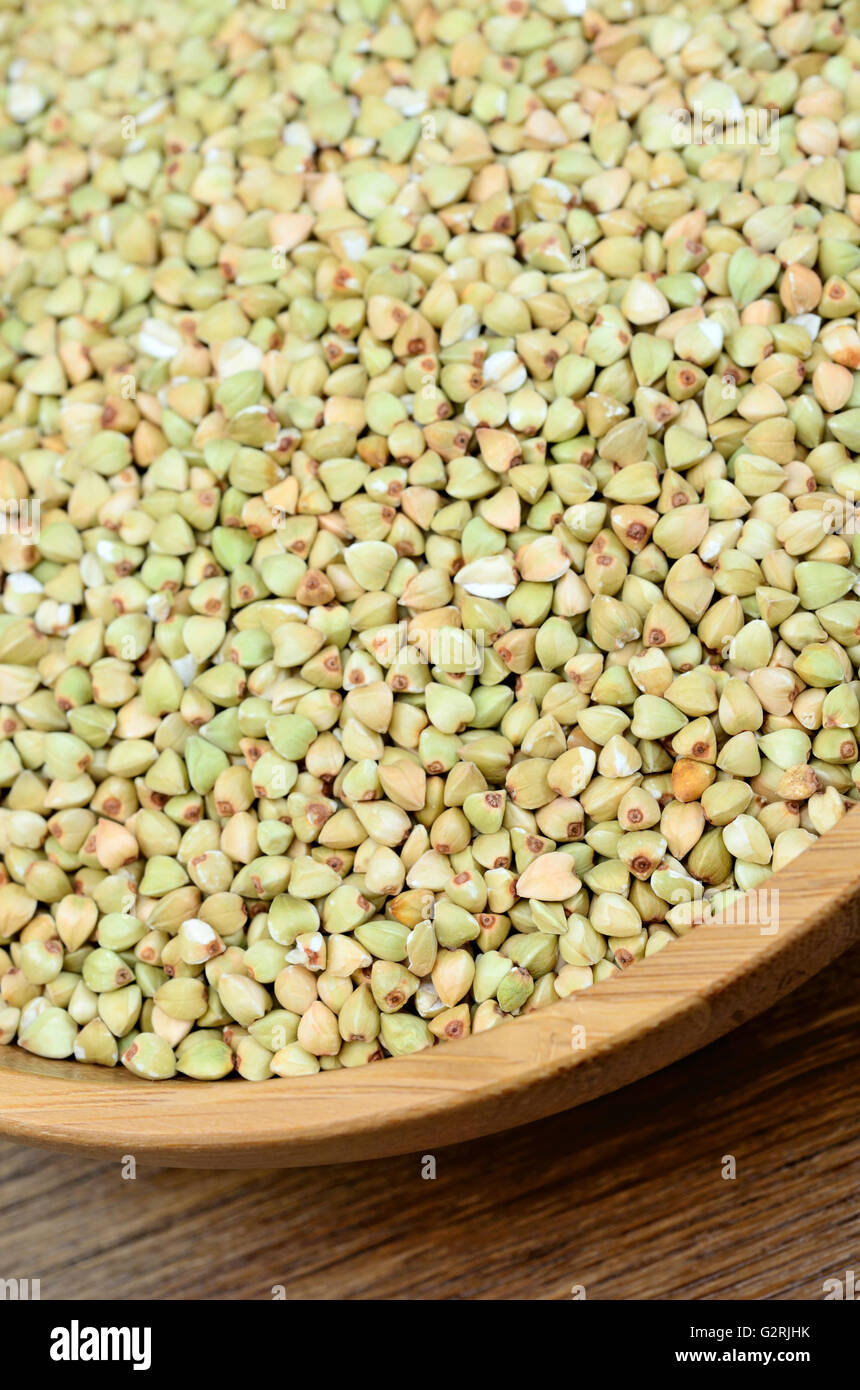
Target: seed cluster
x,y
444,440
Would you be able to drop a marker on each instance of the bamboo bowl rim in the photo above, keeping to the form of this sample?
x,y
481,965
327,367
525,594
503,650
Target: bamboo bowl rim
x,y
710,980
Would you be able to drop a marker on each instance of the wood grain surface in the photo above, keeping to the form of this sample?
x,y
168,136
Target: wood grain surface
x,y
624,1195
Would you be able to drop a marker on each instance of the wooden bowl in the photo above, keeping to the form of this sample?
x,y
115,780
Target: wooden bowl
x,y
714,978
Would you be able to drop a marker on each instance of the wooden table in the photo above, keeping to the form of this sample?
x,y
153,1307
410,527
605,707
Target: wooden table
x,y
625,1197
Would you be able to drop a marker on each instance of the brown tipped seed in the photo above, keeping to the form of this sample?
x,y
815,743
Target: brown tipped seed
x,y
149,1057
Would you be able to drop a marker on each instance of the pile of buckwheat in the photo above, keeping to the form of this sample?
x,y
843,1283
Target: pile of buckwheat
x,y
428,455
